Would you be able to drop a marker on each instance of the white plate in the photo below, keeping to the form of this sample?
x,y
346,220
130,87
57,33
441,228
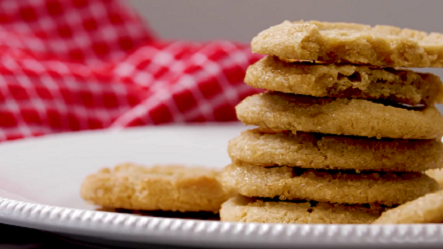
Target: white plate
x,y
40,180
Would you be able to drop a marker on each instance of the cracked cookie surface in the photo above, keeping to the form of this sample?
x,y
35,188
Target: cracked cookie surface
x,y
354,117
346,81
381,45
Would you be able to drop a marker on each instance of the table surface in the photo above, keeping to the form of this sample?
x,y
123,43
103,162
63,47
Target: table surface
x,y
18,238
23,238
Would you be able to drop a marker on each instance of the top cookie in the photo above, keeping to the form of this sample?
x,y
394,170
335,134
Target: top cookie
x,y
351,43
345,81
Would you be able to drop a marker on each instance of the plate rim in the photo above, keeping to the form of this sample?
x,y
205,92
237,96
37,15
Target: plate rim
x,y
176,231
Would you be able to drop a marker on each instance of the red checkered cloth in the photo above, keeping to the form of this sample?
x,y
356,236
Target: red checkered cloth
x,y
69,65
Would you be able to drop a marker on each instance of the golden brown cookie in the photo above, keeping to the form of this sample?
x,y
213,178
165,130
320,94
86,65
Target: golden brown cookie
x,y
243,209
319,151
348,81
426,209
168,188
351,43
355,117
349,187
437,174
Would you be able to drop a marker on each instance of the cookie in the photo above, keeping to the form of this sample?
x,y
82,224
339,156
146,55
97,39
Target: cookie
x,y
243,209
436,174
355,117
349,187
426,209
351,43
313,150
348,81
167,188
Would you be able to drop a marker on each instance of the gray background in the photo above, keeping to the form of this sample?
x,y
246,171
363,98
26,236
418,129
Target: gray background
x,y
240,20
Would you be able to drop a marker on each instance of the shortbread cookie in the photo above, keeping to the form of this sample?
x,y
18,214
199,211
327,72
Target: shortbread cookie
x,y
348,81
290,183
168,188
354,117
426,209
313,150
351,43
243,209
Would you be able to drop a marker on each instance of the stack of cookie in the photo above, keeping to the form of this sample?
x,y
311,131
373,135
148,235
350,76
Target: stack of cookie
x,y
342,135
